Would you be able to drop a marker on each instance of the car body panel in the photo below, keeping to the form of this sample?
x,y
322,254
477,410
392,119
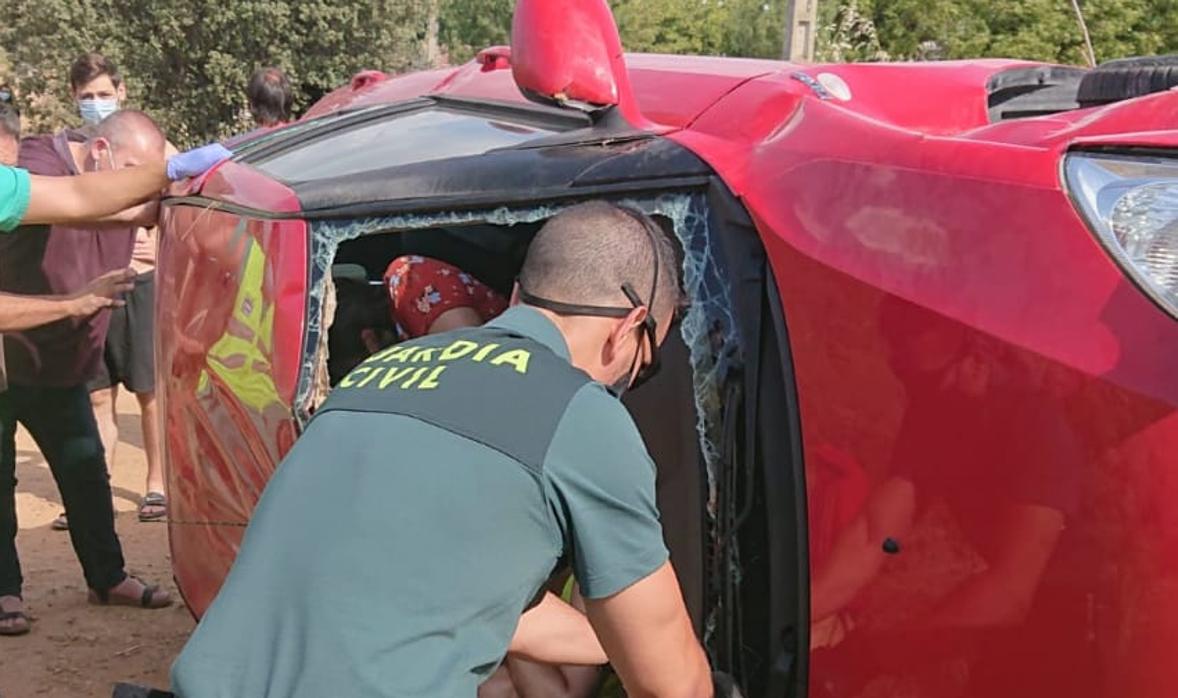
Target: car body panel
x,y
988,406
231,299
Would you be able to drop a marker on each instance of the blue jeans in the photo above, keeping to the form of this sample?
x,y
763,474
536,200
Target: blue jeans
x,y
61,421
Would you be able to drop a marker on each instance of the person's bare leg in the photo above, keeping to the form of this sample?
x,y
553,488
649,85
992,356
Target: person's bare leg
x,y
149,415
105,404
149,419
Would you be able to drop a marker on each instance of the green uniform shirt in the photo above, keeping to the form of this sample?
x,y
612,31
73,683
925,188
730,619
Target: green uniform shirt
x,y
14,197
392,556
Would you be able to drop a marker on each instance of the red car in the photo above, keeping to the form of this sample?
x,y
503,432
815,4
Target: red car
x,y
917,434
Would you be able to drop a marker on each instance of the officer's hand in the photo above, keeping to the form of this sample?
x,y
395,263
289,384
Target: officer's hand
x,y
196,162
103,292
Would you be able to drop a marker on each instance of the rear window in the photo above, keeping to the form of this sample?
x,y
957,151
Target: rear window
x,y
419,136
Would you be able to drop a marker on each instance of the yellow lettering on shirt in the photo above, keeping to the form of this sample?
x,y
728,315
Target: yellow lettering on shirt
x,y
516,357
431,381
416,377
350,379
457,350
368,379
484,352
380,355
391,377
399,354
424,355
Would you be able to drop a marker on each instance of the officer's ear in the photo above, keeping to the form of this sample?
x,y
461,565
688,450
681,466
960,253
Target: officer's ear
x,y
623,333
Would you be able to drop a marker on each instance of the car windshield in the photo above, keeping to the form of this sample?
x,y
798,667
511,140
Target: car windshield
x,y
419,136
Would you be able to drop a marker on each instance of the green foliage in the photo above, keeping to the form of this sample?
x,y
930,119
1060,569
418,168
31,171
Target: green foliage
x,y
1044,30
468,26
186,62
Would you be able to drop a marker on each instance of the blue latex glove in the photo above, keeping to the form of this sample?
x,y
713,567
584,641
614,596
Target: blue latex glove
x,y
197,161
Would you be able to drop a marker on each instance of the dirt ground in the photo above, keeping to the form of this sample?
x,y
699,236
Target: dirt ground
x,y
76,649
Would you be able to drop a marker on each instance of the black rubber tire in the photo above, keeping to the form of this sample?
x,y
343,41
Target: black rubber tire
x,y
1127,78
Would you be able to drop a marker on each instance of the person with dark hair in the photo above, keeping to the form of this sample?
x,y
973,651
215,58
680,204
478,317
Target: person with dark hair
x,y
453,473
270,97
361,325
96,86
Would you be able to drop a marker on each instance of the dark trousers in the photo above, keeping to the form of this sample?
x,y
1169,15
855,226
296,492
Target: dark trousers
x,y
61,421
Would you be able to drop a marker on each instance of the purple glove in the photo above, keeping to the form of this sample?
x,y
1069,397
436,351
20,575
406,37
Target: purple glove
x,y
197,161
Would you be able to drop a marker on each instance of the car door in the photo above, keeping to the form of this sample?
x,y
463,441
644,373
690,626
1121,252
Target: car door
x,y
230,312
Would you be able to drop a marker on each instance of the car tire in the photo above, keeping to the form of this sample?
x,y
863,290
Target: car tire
x,y
1127,78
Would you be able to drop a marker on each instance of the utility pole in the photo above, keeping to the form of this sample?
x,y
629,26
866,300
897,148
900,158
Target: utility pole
x,y
801,24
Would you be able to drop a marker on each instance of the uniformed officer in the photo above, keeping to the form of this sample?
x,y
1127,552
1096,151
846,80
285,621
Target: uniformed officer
x,y
432,495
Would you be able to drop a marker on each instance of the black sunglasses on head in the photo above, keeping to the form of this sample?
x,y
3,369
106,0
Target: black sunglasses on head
x,y
649,324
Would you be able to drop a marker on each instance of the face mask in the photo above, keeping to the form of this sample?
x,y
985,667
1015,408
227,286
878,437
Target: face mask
x,y
619,387
95,110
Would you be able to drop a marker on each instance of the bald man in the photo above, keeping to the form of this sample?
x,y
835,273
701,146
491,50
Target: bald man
x,y
48,366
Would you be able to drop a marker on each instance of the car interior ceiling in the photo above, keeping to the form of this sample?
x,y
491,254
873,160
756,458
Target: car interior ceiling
x,y
664,409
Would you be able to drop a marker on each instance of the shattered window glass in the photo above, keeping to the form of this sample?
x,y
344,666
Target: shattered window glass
x,y
708,328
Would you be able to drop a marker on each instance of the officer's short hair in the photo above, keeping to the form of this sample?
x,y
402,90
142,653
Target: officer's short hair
x,y
584,254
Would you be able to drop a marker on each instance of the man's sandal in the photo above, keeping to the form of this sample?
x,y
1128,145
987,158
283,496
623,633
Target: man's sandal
x,y
148,599
154,500
19,628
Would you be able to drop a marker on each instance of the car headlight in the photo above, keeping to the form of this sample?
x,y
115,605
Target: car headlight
x,y
1132,205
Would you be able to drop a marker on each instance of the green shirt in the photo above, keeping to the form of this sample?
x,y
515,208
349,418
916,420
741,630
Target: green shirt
x,y
14,197
390,556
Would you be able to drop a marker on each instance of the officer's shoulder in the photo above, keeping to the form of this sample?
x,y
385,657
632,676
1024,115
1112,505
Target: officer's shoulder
x,y
593,404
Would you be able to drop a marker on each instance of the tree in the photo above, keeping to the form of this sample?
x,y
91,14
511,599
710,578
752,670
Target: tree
x,y
187,62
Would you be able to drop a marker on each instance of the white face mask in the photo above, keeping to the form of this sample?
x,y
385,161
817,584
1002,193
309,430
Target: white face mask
x,y
95,110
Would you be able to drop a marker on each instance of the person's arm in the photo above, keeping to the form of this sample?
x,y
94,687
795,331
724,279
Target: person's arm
x,y
555,632
603,483
649,639
26,312
93,195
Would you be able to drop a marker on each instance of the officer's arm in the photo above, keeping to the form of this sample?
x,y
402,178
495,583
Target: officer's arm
x,y
93,195
556,633
649,639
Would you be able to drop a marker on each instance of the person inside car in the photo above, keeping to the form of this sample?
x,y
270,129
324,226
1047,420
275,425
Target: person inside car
x,y
444,513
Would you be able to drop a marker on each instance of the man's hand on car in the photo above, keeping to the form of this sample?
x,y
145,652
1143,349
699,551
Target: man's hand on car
x,y
103,292
196,162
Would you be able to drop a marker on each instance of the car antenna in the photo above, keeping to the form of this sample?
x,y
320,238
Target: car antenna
x,y
1091,55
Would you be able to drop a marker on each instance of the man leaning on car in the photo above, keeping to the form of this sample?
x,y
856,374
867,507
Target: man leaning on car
x,y
38,199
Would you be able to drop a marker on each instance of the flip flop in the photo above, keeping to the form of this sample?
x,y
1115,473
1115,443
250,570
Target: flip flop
x,y
153,499
146,600
61,523
19,629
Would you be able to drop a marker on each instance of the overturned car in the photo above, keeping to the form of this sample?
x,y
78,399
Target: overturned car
x,y
915,433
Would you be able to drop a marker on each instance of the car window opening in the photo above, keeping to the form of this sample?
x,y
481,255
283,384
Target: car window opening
x,y
681,412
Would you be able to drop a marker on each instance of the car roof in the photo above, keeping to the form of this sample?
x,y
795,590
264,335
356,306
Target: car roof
x,y
674,90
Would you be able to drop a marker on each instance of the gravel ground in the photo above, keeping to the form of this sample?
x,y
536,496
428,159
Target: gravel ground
x,y
76,649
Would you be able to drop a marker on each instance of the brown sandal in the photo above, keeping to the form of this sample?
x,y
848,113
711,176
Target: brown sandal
x,y
151,597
